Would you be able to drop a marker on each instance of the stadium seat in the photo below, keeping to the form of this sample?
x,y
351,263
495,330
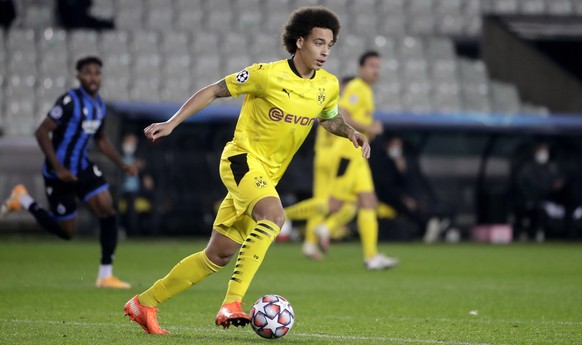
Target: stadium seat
x,y
205,70
532,7
144,42
445,98
503,6
205,44
236,63
160,19
175,43
247,16
102,9
559,7
504,98
20,110
82,43
387,95
234,44
115,88
264,47
38,16
189,19
144,89
130,19
114,43
188,5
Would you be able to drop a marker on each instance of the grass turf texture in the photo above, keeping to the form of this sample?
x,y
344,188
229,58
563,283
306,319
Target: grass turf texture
x,y
522,294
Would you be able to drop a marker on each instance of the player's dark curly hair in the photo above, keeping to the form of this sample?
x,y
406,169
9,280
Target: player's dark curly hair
x,y
303,20
88,60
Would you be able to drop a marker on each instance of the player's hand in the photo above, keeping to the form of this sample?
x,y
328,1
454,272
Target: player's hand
x,y
158,130
130,169
66,175
360,141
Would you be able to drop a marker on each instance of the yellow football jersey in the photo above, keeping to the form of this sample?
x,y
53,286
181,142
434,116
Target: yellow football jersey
x,y
279,110
324,139
358,99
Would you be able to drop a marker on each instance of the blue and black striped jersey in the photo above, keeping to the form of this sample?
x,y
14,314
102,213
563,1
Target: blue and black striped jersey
x,y
78,117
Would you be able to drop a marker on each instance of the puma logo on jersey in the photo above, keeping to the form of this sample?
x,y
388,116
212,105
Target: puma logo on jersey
x,y
288,92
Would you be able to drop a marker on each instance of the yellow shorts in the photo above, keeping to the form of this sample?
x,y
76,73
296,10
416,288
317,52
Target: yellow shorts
x,y
353,176
247,181
323,172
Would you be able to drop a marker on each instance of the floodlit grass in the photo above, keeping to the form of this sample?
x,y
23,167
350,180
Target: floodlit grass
x,y
443,294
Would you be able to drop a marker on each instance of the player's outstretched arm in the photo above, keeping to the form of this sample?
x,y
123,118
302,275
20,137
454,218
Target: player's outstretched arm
x,y
339,127
107,148
197,102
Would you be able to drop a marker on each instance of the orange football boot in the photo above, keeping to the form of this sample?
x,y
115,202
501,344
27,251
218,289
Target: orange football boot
x,y
232,314
112,282
12,204
146,317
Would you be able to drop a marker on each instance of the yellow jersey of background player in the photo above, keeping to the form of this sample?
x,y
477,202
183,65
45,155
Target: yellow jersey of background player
x,y
358,100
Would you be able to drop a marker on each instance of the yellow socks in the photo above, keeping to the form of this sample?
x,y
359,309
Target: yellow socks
x,y
368,228
249,259
312,223
307,209
188,272
342,216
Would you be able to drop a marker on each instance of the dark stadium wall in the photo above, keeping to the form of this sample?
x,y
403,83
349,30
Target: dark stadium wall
x,y
538,79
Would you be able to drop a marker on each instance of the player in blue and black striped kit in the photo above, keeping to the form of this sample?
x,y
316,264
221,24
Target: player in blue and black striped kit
x,y
77,118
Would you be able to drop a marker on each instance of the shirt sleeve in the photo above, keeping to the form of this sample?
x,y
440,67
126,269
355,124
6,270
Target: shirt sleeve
x,y
63,109
250,81
351,98
331,108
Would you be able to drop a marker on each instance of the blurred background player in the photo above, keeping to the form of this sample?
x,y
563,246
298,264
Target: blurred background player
x,y
323,176
64,136
251,214
352,178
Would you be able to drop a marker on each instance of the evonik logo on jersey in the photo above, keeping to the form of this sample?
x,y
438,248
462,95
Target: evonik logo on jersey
x,y
276,115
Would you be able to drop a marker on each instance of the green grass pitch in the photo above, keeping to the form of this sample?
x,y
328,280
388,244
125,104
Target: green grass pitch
x,y
465,294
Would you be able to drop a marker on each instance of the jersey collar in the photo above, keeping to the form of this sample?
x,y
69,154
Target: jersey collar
x,y
84,92
294,69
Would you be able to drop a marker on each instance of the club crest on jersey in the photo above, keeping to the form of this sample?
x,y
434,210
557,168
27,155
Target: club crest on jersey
x,y
260,183
321,96
242,76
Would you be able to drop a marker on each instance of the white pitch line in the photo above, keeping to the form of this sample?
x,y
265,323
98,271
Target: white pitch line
x,y
217,330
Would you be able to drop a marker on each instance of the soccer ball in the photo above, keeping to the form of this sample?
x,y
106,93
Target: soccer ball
x,y
272,316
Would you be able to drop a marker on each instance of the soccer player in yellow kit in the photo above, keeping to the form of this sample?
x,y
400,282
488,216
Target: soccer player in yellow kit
x,y
352,178
283,100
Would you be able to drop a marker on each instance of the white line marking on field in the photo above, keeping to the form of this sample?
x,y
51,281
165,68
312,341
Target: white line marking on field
x,y
217,330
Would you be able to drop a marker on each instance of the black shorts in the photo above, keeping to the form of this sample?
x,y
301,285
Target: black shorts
x,y
61,195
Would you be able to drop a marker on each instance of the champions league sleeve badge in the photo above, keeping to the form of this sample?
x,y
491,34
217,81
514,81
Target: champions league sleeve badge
x,y
242,76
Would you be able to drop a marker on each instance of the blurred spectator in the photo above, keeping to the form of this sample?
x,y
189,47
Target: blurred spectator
x,y
543,194
74,14
135,203
401,185
7,13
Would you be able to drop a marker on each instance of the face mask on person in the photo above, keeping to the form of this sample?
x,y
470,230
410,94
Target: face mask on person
x,y
542,156
128,148
395,152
